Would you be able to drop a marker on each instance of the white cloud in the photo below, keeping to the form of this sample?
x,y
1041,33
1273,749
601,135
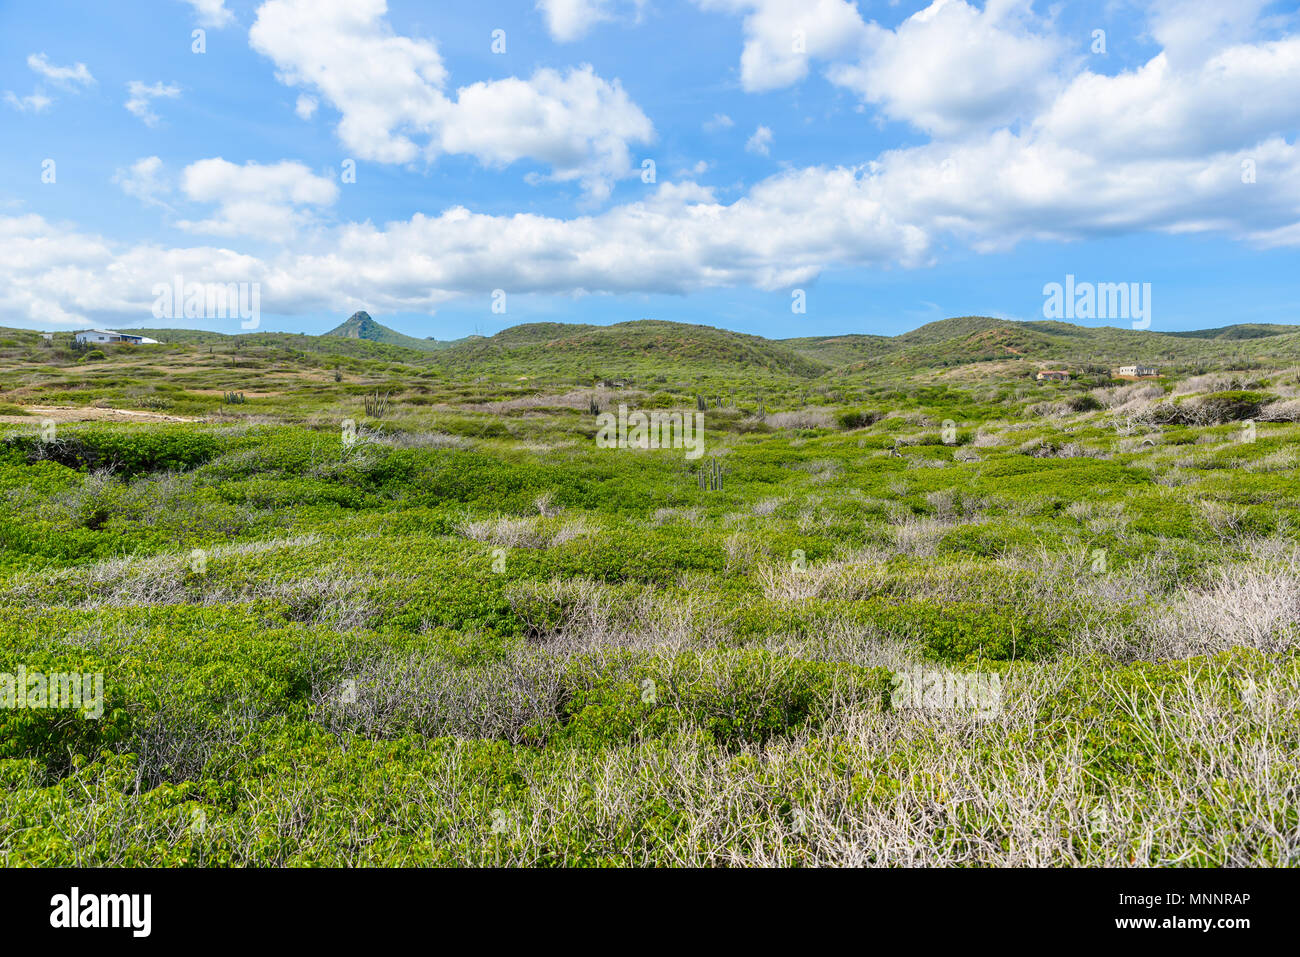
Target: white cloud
x,y
782,35
139,102
390,93
679,239
34,103
720,121
212,13
1234,98
760,142
305,107
947,69
784,232
144,180
577,123
267,202
1155,148
1008,188
569,20
384,85
54,274
1189,31
65,76
952,68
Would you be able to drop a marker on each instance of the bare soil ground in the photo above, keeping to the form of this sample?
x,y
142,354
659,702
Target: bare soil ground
x,y
66,413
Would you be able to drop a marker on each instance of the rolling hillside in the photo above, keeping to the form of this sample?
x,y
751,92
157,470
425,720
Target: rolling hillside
x,y
581,352
612,351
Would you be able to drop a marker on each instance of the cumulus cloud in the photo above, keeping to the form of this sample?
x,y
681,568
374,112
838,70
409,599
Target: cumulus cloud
x,y
1189,31
385,86
680,239
947,69
577,123
1010,187
141,97
57,275
305,107
212,13
1159,147
569,20
782,35
263,201
720,121
952,68
144,180
390,92
1233,98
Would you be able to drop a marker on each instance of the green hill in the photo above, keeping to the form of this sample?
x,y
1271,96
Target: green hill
x,y
972,339
1248,330
617,350
360,326
662,350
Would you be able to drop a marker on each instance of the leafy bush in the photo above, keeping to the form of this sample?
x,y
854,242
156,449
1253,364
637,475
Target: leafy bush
x,y
127,451
1232,406
857,418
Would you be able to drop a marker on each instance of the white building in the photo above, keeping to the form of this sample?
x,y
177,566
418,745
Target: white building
x,y
110,337
1137,371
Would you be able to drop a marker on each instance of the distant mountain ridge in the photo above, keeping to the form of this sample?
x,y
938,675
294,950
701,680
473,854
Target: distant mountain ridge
x,y
584,350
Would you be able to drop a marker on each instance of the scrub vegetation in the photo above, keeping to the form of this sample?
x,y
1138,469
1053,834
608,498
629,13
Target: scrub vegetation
x,y
395,606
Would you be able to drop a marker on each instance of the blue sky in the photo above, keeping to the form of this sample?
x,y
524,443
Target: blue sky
x,y
897,162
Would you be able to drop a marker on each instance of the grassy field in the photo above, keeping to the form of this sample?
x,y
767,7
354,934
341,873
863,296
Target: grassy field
x,y
361,604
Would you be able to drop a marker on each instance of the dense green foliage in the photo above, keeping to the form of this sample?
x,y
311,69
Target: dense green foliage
x,y
465,633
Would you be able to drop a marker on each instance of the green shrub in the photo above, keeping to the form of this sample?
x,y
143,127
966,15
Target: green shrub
x,y
1233,406
857,418
126,450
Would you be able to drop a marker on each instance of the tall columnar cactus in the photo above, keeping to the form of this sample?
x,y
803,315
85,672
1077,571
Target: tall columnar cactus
x,y
710,475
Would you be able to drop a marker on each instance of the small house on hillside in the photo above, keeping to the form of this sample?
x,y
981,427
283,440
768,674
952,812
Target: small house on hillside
x,y
101,337
1137,371
1053,375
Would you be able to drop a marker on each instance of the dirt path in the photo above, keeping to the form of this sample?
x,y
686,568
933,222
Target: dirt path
x,y
68,413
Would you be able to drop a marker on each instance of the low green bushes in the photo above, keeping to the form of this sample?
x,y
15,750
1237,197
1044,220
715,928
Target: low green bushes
x,y
740,698
126,451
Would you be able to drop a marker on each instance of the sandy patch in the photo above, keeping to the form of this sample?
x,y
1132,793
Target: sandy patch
x,y
63,413
1008,368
